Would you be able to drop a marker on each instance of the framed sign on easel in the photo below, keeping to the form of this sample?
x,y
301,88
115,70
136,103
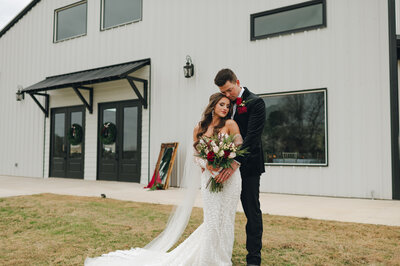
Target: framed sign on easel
x,y
165,163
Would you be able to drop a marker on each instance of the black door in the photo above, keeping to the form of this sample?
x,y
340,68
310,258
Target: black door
x,y
120,160
66,157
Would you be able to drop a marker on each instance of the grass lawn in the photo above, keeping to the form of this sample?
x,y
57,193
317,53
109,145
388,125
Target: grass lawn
x,y
50,229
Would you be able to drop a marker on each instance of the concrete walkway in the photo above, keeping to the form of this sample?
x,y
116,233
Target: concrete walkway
x,y
385,212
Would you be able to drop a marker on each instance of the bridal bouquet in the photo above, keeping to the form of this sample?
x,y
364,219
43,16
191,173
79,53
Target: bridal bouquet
x,y
219,152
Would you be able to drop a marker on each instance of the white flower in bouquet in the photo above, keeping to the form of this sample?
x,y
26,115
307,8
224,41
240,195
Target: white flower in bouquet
x,y
219,152
232,155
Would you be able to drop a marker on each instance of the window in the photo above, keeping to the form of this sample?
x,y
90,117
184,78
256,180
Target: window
x,y
70,21
299,17
119,12
295,131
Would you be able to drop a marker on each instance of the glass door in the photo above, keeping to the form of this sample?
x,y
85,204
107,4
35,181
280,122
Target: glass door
x,y
67,142
119,153
108,157
129,167
59,151
75,147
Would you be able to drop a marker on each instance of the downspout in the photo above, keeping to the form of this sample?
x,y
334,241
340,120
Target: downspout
x,y
394,100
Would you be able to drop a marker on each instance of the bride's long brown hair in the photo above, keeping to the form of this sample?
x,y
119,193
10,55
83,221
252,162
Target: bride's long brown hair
x,y
208,116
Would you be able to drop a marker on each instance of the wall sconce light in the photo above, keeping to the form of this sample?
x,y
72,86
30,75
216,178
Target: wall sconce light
x,y
19,94
188,69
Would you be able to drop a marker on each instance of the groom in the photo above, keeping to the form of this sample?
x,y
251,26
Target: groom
x,y
249,114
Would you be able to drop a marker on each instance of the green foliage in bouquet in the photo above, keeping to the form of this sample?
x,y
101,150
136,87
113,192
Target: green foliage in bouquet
x,y
219,151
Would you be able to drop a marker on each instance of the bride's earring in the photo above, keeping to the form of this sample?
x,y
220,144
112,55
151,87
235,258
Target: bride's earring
x,y
212,113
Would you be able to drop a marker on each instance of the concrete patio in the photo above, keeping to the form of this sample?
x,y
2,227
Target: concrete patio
x,y
385,212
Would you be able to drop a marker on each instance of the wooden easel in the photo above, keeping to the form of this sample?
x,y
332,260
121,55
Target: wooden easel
x,y
165,146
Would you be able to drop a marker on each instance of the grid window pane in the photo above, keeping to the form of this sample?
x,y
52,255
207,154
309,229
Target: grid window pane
x,y
295,128
289,20
71,22
116,12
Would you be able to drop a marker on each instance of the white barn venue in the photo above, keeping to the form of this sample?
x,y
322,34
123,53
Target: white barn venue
x,y
326,69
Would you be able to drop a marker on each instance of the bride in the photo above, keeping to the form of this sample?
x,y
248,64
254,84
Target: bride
x,y
212,242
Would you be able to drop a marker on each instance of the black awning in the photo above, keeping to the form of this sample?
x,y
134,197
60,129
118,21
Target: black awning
x,y
80,81
86,77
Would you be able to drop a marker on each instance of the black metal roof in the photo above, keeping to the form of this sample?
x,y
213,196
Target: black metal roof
x,y
18,17
86,77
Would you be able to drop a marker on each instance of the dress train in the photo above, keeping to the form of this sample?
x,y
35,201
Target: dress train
x,y
210,244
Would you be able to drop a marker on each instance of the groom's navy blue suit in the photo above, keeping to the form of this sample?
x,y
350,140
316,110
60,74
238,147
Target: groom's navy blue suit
x,y
251,125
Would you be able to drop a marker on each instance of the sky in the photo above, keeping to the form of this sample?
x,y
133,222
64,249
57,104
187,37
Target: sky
x,y
9,9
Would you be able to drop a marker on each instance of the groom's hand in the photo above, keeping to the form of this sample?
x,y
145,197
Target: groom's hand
x,y
226,173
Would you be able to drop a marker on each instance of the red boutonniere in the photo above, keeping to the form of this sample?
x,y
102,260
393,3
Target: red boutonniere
x,y
241,105
242,110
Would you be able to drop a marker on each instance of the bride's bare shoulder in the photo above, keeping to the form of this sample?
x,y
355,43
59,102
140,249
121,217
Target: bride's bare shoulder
x,y
230,122
232,126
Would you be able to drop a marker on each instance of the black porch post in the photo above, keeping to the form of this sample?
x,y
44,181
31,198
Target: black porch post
x,y
394,100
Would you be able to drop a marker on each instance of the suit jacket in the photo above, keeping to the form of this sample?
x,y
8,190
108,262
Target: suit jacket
x,y
251,125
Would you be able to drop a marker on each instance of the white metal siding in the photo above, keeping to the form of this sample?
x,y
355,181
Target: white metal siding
x,y
349,58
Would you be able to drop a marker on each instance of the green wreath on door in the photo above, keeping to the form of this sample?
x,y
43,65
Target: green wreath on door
x,y
108,133
75,134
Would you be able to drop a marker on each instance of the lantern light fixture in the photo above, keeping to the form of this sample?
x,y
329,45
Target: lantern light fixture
x,y
20,95
188,69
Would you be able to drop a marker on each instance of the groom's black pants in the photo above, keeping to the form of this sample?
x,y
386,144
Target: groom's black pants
x,y
254,227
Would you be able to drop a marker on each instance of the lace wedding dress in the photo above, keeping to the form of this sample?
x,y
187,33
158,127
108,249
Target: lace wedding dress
x,y
210,244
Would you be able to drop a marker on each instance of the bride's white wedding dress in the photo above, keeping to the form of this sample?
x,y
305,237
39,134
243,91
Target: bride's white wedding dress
x,y
210,244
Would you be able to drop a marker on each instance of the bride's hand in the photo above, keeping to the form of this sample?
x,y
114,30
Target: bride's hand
x,y
212,169
226,173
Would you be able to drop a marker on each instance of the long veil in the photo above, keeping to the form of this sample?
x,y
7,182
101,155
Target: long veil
x,y
155,253
179,217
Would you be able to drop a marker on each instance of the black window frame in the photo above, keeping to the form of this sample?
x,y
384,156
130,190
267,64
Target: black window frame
x,y
284,9
102,28
325,90
56,11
